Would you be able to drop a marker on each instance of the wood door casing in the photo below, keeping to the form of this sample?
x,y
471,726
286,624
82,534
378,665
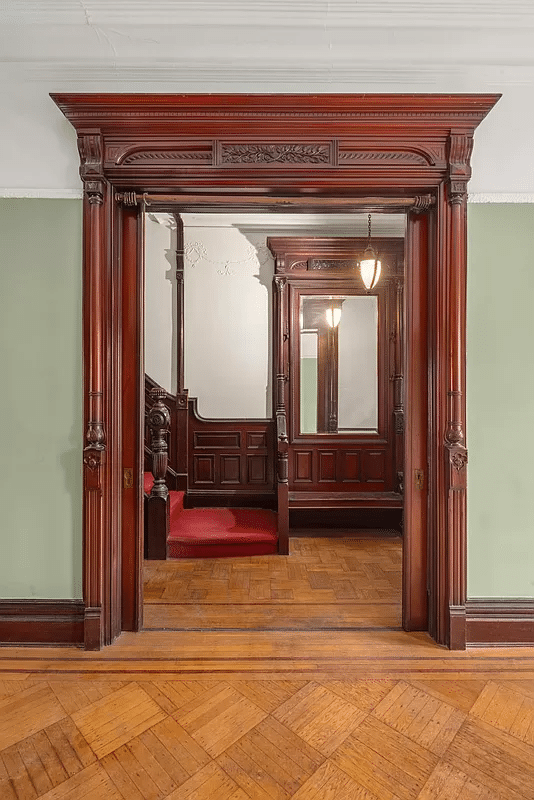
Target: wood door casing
x,y
305,152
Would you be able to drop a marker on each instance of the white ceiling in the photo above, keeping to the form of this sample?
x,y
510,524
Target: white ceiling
x,y
262,46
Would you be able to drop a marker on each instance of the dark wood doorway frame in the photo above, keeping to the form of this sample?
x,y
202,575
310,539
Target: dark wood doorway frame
x,y
277,152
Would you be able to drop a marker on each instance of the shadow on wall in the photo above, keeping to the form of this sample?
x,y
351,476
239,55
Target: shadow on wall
x,y
71,461
264,277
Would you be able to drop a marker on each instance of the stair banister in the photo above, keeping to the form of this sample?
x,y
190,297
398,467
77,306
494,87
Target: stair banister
x,y
157,503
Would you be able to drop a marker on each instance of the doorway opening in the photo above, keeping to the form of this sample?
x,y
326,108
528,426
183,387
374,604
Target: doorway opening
x,y
213,321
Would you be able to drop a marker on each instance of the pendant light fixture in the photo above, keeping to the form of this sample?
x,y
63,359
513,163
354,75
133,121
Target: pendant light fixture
x,y
370,266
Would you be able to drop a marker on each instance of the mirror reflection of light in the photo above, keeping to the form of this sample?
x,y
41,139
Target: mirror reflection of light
x,y
333,317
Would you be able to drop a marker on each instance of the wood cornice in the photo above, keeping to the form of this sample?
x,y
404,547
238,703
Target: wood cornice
x,y
83,110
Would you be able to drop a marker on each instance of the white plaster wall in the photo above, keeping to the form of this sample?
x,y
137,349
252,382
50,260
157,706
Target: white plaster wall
x,y
228,280
264,46
160,302
227,283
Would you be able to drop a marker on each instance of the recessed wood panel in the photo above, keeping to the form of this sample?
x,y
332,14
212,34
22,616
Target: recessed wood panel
x,y
327,466
204,469
256,440
216,440
303,466
349,466
257,469
374,466
230,469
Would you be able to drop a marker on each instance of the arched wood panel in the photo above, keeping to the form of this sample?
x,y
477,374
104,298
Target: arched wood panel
x,y
313,152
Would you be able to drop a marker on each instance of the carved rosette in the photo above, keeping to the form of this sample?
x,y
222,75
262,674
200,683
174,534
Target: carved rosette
x,y
459,460
92,459
181,400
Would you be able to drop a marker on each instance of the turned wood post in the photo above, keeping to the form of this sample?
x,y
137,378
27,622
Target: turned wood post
x,y
398,382
157,503
282,336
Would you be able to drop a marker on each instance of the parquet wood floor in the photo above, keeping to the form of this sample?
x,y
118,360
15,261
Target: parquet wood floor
x,y
324,584
94,734
369,714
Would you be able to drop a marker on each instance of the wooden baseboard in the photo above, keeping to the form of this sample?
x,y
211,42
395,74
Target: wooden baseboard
x,y
500,621
41,622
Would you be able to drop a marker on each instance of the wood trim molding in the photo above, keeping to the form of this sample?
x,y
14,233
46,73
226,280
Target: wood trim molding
x,y
500,621
287,151
42,622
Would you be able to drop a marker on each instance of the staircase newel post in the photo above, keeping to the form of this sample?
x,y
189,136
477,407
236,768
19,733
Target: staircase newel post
x,y
158,504
282,472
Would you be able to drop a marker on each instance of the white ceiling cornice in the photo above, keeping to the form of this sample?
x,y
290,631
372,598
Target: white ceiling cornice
x,y
263,46
274,13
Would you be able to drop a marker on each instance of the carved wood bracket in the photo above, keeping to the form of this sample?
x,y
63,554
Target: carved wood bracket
x,y
459,167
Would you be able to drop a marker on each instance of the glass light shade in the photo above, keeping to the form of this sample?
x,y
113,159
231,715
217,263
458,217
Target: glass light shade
x,y
370,269
333,316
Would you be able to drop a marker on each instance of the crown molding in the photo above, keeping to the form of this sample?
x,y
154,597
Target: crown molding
x,y
185,76
273,13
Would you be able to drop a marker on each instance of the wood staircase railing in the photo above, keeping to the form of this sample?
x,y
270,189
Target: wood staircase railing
x,y
157,504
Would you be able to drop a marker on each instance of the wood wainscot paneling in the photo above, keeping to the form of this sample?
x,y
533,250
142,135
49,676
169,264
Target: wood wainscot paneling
x,y
498,621
42,621
231,461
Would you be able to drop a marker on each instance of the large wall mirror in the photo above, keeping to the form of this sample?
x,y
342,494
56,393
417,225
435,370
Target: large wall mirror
x,y
338,364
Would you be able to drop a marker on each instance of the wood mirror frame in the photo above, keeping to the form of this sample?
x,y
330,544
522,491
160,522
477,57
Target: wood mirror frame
x,y
406,153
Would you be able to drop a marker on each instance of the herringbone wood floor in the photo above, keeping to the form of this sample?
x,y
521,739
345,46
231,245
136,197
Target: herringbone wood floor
x,y
323,584
364,714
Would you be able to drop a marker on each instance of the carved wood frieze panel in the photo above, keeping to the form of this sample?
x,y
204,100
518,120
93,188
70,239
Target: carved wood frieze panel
x,y
266,154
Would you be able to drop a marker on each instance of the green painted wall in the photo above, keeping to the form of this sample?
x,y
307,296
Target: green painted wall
x,y
500,392
40,398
